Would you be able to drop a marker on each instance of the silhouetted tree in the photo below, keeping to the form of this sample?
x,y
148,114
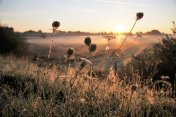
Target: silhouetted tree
x,y
12,42
154,32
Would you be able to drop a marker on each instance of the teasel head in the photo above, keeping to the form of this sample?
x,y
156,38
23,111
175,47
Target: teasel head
x,y
92,48
55,25
139,15
70,52
87,41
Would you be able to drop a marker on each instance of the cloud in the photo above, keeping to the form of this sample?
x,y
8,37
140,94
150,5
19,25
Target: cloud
x,y
115,2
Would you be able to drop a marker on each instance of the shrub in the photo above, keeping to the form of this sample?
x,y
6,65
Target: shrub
x,y
158,61
12,42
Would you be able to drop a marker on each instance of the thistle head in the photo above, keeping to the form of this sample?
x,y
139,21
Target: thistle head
x,y
55,25
139,15
87,41
82,65
70,52
92,48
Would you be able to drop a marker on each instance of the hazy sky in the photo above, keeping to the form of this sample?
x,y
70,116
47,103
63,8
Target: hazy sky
x,y
88,15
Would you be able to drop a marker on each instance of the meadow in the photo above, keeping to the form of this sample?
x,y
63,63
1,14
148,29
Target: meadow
x,y
57,87
134,46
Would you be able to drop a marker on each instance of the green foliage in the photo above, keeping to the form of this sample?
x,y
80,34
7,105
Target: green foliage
x,y
12,42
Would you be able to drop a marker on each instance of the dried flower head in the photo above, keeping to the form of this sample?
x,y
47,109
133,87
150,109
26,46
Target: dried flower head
x,y
139,15
70,52
55,24
82,65
92,47
110,37
87,41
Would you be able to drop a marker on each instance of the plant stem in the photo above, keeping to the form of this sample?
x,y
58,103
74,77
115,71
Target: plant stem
x,y
49,53
127,34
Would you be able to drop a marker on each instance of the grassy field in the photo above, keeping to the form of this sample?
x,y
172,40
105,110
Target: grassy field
x,y
41,87
49,91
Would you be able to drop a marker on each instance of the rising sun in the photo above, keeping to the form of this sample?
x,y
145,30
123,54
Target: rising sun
x,y
120,28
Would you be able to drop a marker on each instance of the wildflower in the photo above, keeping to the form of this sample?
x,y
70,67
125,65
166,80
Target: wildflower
x,y
92,47
55,25
139,15
87,41
86,60
70,52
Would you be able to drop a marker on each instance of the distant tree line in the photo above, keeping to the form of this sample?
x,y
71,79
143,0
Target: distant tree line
x,y
41,34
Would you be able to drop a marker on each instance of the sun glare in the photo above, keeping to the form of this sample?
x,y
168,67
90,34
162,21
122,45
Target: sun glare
x,y
120,28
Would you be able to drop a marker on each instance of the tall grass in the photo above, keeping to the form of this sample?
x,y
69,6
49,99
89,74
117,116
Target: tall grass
x,y
29,90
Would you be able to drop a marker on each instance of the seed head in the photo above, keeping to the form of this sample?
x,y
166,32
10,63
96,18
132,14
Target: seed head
x,y
55,25
139,15
87,41
70,52
92,47
110,37
82,65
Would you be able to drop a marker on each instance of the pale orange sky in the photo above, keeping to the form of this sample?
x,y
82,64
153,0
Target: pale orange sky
x,y
88,15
